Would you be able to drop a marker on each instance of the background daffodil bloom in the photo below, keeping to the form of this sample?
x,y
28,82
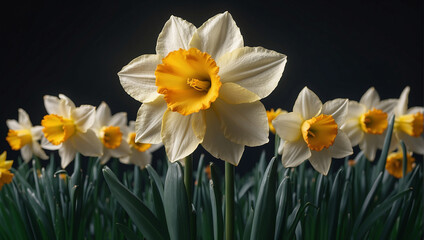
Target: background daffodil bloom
x,y
23,136
394,163
409,125
312,131
109,130
203,86
367,121
68,128
141,153
5,175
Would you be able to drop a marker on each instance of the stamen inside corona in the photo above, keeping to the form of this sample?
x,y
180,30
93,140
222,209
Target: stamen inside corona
x,y
111,137
141,147
411,124
374,121
18,138
189,80
57,129
319,132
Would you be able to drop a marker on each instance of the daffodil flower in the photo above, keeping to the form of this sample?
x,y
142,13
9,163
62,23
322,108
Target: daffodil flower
x,y
272,114
68,129
409,125
312,131
367,121
5,175
203,86
394,164
141,153
23,136
109,130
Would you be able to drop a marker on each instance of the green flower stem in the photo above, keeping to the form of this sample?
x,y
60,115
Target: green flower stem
x,y
188,177
229,201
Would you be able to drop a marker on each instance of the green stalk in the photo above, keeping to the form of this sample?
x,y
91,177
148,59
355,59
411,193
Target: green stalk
x,y
229,201
188,177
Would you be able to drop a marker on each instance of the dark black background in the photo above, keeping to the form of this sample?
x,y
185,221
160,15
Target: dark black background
x,y
336,49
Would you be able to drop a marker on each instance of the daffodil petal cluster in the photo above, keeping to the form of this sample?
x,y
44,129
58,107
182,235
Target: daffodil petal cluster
x,y
5,175
67,128
312,131
141,153
109,129
24,136
367,121
203,86
409,125
394,163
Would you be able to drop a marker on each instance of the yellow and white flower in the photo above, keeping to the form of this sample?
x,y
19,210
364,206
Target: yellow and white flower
x,y
5,175
367,121
394,164
109,130
23,136
68,129
409,125
312,131
141,153
272,114
203,86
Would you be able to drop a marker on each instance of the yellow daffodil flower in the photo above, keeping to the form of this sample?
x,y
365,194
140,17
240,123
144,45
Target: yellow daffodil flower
x,y
141,153
203,86
394,164
68,129
109,130
272,114
367,121
5,175
23,136
312,131
409,125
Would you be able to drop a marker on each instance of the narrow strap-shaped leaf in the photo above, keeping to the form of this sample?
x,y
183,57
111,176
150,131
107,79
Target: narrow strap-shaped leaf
x,y
248,228
333,210
158,204
294,219
263,225
216,204
156,179
177,209
127,232
282,206
385,151
391,219
139,213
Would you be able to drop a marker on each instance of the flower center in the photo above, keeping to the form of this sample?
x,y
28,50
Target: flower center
x,y
374,121
57,129
18,138
394,164
111,136
141,147
189,80
319,132
411,124
271,115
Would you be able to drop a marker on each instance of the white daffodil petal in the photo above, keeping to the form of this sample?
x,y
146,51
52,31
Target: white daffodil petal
x,y
138,78
26,152
217,144
288,126
176,34
84,117
54,105
245,124
87,143
13,124
370,98
149,121
337,108
36,149
353,130
388,105
355,110
295,153
141,159
307,104
67,153
103,114
154,147
48,145
413,144
24,119
118,119
218,36
105,158
369,146
37,132
125,160
121,151
281,147
341,146
235,94
255,68
414,110
67,100
402,105
321,161
178,135
198,123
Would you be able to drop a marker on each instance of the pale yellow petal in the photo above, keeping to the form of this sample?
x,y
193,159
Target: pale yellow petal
x,y
288,126
24,119
67,153
149,121
370,98
235,94
88,144
307,104
295,153
84,117
337,108
341,146
321,161
353,130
